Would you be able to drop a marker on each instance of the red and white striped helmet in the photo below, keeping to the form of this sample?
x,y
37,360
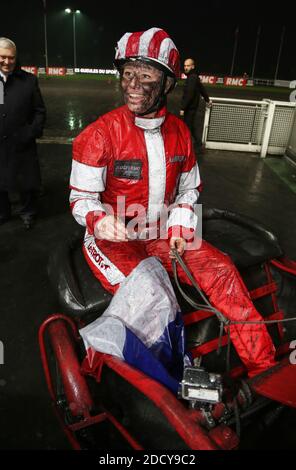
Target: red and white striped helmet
x,y
153,45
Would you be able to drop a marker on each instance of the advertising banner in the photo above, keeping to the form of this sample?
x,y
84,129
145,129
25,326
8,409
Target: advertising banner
x,y
235,81
31,69
56,71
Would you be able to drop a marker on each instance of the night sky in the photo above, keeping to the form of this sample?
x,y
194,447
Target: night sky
x,y
204,30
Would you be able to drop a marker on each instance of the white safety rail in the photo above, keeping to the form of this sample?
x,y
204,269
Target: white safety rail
x,y
290,153
248,126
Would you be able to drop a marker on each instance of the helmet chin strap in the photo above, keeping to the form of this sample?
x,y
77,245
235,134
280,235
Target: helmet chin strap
x,y
159,101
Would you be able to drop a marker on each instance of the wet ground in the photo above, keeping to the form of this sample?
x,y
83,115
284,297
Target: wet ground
x,y
72,104
237,181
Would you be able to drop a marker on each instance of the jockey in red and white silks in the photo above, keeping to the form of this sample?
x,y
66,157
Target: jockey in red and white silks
x,y
135,161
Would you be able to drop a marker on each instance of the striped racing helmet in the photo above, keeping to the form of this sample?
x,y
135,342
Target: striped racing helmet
x,y
153,46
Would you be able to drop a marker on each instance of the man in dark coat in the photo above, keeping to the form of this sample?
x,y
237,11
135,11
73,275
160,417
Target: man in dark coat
x,y
193,88
22,118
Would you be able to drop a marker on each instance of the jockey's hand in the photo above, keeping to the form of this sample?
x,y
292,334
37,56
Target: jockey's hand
x,y
178,244
182,113
110,228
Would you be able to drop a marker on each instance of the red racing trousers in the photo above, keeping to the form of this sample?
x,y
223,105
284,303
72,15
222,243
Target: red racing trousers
x,y
216,275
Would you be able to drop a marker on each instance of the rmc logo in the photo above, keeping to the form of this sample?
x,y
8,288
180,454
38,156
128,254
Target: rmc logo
x,y
1,92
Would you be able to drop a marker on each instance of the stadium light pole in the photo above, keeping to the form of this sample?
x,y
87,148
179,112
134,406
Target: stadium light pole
x,y
256,50
234,49
45,33
280,52
74,13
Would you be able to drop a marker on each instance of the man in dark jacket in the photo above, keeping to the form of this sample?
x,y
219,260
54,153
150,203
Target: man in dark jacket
x,y
193,88
22,118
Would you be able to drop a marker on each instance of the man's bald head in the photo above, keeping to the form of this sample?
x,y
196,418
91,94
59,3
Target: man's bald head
x,y
189,64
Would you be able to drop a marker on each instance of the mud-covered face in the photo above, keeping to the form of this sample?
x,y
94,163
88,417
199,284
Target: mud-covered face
x,y
141,85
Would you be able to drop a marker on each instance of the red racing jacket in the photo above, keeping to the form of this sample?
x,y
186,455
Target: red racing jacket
x,y
135,166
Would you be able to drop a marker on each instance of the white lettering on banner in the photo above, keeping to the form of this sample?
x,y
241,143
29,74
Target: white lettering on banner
x,y
211,79
30,69
235,81
56,71
1,92
96,71
89,70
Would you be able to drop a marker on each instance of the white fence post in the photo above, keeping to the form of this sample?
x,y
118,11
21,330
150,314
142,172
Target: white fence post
x,y
206,124
268,125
